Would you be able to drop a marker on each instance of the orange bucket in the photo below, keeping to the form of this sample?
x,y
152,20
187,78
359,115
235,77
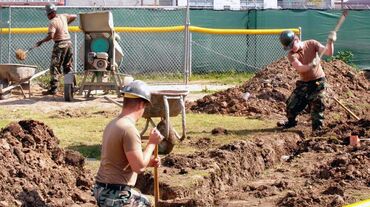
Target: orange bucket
x,y
354,141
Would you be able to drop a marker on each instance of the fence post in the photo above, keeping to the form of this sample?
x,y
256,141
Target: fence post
x,y
10,33
75,52
187,44
1,35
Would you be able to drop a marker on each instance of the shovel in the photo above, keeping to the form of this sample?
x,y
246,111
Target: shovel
x,y
21,54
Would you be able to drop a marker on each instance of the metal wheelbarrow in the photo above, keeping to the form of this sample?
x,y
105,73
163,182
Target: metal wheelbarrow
x,y
166,104
15,75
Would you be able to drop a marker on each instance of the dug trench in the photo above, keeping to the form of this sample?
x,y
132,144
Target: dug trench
x,y
272,169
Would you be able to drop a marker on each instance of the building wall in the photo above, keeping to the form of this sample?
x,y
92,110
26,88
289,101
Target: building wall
x,y
118,2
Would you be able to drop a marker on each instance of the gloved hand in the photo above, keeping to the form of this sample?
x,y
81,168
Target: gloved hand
x,y
332,36
315,62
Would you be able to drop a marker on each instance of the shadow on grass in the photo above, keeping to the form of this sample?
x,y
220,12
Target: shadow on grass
x,y
88,151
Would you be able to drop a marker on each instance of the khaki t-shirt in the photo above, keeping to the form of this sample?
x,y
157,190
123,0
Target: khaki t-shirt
x,y
305,56
119,136
59,26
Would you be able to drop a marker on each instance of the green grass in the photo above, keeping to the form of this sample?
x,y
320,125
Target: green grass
x,y
210,78
84,133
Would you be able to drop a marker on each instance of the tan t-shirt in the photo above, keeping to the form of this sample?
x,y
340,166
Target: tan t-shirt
x,y
305,56
119,136
59,26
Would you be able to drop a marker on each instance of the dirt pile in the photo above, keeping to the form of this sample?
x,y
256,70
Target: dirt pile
x,y
35,171
265,94
332,181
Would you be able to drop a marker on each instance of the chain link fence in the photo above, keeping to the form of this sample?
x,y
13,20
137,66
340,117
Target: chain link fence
x,y
233,53
151,55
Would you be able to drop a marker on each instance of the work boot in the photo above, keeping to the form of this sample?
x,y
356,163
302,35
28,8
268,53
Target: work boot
x,y
49,92
318,131
287,124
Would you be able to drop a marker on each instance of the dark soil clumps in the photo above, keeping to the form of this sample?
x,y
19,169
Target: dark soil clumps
x,y
35,171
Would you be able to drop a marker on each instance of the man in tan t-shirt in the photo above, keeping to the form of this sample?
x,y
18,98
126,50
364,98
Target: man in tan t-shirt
x,y
62,55
122,157
304,57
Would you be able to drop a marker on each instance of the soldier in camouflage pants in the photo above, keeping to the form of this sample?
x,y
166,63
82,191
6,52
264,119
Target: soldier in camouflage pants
x,y
305,58
62,50
61,57
307,93
127,196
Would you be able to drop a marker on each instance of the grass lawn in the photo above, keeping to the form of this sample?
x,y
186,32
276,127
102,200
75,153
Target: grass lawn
x,y
84,133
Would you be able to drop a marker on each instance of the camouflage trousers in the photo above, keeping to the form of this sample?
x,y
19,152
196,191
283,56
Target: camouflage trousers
x,y
308,93
116,198
61,58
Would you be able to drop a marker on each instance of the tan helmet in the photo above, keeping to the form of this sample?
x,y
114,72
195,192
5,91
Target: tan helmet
x,y
136,89
49,8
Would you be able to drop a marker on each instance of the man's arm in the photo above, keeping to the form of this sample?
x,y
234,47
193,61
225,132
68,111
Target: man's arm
x,y
139,160
49,37
300,67
71,18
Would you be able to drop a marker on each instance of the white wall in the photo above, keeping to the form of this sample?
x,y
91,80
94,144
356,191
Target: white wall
x,y
116,2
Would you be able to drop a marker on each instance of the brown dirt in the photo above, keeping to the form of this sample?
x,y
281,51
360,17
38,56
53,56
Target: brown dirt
x,y
35,171
321,171
268,167
272,169
269,89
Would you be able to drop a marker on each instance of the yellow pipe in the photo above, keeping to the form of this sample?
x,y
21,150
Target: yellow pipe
x,y
364,203
240,31
150,29
158,30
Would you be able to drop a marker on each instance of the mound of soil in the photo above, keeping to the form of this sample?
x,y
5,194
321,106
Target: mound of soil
x,y
35,171
265,94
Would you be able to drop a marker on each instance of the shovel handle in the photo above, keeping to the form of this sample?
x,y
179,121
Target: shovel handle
x,y
347,109
156,181
31,48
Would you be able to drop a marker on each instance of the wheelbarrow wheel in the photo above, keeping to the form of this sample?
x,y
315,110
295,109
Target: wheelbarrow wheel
x,y
68,92
4,95
167,144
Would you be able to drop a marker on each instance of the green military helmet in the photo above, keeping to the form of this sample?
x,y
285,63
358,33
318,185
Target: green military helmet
x,y
50,8
287,39
137,89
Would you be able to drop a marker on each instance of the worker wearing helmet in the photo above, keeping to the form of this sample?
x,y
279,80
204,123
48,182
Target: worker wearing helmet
x,y
61,56
122,157
305,59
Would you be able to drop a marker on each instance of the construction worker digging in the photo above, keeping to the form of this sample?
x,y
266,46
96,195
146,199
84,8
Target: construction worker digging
x,y
122,157
62,49
304,57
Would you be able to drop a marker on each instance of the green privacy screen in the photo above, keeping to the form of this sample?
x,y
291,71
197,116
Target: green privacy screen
x,y
209,52
352,36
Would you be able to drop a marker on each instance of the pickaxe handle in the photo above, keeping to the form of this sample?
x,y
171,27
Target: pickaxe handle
x,y
337,26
